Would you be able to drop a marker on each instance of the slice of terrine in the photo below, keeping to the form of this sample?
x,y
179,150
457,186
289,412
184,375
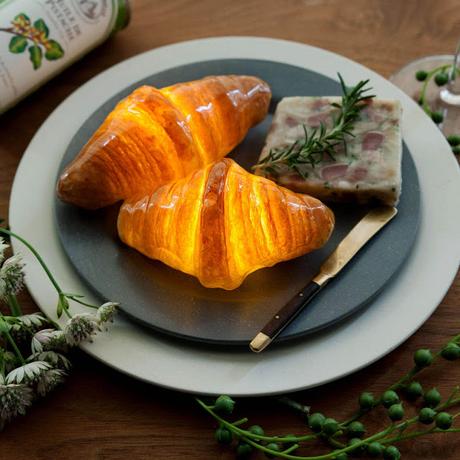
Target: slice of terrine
x,y
367,169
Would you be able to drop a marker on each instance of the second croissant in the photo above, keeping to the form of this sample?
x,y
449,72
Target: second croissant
x,y
222,223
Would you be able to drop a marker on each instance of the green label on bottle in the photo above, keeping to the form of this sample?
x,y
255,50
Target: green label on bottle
x,y
40,38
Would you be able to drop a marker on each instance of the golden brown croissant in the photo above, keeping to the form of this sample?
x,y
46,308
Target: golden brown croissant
x,y
155,136
221,223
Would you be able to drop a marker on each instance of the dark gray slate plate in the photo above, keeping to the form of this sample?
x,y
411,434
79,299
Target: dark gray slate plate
x,y
172,302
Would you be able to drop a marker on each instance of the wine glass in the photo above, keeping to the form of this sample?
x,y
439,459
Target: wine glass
x,y
434,82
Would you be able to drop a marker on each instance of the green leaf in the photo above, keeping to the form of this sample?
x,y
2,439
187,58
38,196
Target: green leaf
x,y
22,18
63,304
53,50
35,54
4,326
41,26
18,44
60,309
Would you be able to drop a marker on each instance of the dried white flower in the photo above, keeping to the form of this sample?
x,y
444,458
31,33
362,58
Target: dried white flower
x,y
22,327
106,312
56,360
11,276
49,380
3,248
14,400
32,320
48,339
27,373
80,327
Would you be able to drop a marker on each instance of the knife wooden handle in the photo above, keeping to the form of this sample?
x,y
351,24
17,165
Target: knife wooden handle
x,y
284,317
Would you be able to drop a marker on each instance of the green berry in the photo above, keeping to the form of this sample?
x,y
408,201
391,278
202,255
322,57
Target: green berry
x,y
453,140
342,456
366,401
330,426
437,117
414,390
272,446
257,430
423,357
375,449
358,450
244,450
356,430
441,78
223,435
426,415
396,412
443,420
421,75
451,352
315,422
389,398
456,149
224,404
391,453
432,398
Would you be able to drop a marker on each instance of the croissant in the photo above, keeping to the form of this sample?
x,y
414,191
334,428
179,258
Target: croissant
x,y
222,223
156,136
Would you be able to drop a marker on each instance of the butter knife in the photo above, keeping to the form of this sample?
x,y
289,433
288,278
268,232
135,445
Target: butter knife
x,y
360,234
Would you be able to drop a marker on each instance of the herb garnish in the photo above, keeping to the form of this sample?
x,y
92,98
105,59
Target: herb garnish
x,y
320,141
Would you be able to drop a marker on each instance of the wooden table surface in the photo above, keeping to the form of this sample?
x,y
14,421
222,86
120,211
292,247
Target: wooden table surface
x,y
101,414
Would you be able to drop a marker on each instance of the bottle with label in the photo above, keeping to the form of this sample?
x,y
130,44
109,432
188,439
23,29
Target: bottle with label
x,y
39,38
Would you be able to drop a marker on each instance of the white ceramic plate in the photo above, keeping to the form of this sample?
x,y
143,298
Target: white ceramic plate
x,y
403,307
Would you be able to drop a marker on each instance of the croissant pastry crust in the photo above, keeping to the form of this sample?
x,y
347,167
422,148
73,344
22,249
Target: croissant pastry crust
x,y
222,223
155,136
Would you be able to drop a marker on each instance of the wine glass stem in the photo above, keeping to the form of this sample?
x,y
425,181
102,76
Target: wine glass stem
x,y
451,93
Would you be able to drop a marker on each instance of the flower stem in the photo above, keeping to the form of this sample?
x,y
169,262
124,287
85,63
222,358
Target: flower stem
x,y
13,303
75,299
2,362
240,422
241,432
330,455
15,347
37,256
11,31
298,407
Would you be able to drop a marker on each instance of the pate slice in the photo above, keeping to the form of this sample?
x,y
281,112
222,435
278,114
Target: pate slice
x,y
367,170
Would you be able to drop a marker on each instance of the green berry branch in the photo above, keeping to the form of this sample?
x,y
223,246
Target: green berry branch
x,y
33,37
349,438
441,76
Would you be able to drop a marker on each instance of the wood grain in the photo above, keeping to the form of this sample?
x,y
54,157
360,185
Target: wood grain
x,y
101,414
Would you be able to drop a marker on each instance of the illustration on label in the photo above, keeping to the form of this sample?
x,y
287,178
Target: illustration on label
x,y
34,38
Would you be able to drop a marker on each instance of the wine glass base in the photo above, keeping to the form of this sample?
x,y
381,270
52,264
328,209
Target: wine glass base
x,y
405,80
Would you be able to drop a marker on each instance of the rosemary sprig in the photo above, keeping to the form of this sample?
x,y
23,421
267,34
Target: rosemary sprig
x,y
321,141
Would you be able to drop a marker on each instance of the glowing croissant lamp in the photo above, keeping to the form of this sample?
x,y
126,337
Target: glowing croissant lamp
x,y
156,136
222,223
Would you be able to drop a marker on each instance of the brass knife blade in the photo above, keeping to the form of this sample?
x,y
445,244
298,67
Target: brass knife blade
x,y
360,234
